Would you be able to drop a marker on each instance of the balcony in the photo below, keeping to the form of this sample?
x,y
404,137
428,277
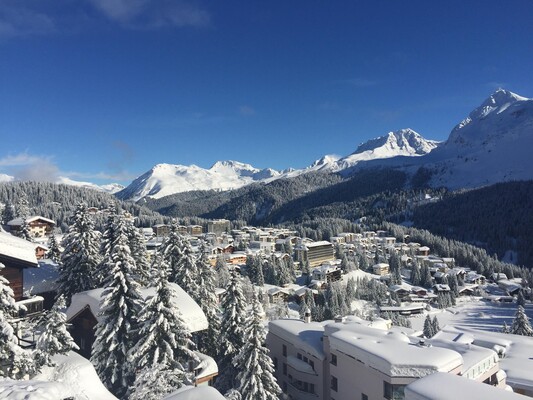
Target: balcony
x,y
296,392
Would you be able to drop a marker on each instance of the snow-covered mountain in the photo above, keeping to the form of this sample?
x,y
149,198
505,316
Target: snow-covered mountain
x,y
110,188
166,179
493,144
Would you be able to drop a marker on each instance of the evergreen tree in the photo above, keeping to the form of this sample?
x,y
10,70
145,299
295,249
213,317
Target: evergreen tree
x,y
8,213
164,338
24,232
117,328
428,327
435,325
16,362
157,382
415,275
521,299
139,254
54,253
208,339
231,331
505,328
101,275
22,208
351,290
81,256
521,324
55,338
255,379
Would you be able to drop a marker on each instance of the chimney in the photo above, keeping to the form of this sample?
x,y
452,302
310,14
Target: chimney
x,y
307,315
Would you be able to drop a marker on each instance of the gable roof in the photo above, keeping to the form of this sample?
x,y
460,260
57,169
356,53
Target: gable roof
x,y
190,311
16,251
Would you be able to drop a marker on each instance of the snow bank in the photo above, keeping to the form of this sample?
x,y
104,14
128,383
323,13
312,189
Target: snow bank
x,y
195,393
34,390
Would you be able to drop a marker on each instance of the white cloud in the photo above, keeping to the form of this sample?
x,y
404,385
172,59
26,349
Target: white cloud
x,y
6,178
29,167
153,14
247,111
17,19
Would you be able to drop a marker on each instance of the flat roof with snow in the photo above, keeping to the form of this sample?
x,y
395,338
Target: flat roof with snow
x,y
391,352
442,386
306,336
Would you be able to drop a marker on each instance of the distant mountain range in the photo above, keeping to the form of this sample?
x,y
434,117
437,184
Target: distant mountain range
x,y
491,145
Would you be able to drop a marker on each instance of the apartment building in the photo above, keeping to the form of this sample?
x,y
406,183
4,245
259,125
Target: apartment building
x,y
357,359
315,253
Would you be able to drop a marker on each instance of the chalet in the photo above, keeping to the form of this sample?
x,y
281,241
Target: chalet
x,y
84,313
278,295
401,291
40,251
38,226
469,290
161,229
441,288
16,254
422,251
327,273
474,278
404,309
195,230
380,269
237,258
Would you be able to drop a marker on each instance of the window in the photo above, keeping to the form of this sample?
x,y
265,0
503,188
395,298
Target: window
x,y
275,363
333,359
312,364
393,392
311,388
284,369
299,356
334,383
284,350
364,396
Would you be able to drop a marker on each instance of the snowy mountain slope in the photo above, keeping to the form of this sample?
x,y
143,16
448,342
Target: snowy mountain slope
x,y
110,188
493,144
166,179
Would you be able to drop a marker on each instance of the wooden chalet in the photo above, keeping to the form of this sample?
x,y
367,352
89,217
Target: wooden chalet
x,y
16,254
38,226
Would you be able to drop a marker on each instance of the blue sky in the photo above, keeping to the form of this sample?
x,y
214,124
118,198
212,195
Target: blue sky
x,y
101,90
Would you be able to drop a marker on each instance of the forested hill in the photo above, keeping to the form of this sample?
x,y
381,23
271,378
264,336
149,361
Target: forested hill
x,y
57,201
252,203
498,218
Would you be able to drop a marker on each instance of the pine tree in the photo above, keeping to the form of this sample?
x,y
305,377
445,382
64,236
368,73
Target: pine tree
x,y
351,290
164,338
521,299
81,255
139,254
521,324
231,331
117,328
55,338
428,327
208,339
22,208
255,379
8,213
16,362
24,232
156,382
505,328
415,275
54,253
435,325
101,277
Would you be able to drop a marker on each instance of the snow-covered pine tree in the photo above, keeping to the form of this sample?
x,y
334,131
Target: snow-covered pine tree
x,y
22,208
435,325
208,339
101,275
521,324
255,379
54,253
415,275
16,362
186,272
118,326
155,383
428,327
81,256
233,305
139,254
8,213
521,299
24,232
351,290
55,338
505,328
164,339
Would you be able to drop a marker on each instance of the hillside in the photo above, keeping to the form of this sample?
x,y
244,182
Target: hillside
x,y
58,201
498,218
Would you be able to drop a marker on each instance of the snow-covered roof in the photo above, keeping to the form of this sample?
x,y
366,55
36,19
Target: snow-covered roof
x,y
206,367
78,374
191,313
195,393
442,386
318,244
391,352
18,221
17,248
42,279
306,336
518,360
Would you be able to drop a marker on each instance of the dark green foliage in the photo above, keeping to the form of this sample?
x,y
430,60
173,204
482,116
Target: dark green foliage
x,y
497,217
